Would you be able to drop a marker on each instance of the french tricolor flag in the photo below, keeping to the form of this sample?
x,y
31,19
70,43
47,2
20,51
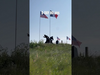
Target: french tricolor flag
x,y
68,38
52,14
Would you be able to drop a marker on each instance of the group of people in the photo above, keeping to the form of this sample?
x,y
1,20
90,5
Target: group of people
x,y
49,40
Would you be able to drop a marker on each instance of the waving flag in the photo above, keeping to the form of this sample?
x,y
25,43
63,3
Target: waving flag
x,y
58,38
43,15
75,41
68,38
52,14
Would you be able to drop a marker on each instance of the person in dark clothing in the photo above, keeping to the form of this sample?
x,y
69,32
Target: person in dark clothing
x,y
51,39
57,42
47,38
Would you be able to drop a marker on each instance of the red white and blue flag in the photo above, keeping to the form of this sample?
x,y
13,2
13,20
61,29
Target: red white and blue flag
x,y
68,38
75,41
42,15
52,14
58,38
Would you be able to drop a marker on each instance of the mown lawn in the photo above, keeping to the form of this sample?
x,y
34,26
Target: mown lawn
x,y
50,59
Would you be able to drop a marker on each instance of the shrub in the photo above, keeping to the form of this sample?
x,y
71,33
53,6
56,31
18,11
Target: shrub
x,y
17,63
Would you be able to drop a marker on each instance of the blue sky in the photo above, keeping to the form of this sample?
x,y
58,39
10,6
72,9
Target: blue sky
x,y
60,27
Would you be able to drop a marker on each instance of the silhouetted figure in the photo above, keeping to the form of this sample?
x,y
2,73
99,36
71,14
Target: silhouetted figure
x,y
48,40
51,39
61,41
57,42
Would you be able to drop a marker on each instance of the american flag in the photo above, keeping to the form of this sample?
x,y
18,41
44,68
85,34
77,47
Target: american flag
x,y
68,38
58,38
43,15
75,41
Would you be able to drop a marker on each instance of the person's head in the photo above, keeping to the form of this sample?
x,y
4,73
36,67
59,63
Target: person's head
x,y
51,38
45,36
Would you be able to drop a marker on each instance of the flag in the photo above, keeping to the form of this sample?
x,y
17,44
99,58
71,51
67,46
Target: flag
x,y
75,41
68,38
52,14
42,15
58,38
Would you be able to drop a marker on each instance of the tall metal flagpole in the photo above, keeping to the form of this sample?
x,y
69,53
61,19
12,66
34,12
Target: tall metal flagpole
x,y
39,27
15,24
49,25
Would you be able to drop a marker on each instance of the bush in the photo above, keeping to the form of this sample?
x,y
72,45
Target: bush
x,y
17,63
35,44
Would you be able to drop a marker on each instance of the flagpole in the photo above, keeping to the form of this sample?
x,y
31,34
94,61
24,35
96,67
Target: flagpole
x,y
66,39
49,25
39,27
15,24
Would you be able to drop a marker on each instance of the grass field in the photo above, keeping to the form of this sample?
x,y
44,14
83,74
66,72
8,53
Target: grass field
x,y
46,59
50,59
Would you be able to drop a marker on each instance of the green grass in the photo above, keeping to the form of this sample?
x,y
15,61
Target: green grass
x,y
50,59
